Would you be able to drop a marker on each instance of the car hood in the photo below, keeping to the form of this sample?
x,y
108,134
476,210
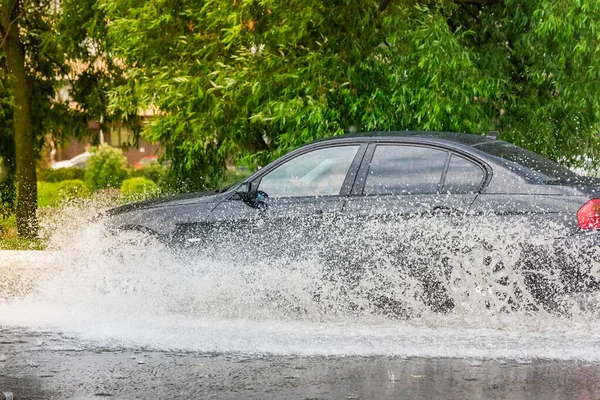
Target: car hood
x,y
168,201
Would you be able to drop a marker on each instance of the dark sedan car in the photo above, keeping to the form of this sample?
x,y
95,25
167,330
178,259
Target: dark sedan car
x,y
415,198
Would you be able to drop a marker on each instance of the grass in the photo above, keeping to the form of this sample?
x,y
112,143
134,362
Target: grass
x,y
9,239
16,243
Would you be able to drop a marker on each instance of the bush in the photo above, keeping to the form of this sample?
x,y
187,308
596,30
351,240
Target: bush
x,y
72,189
47,194
51,194
155,173
106,168
135,189
62,174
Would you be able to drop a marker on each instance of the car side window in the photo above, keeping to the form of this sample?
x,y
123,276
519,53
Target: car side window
x,y
317,173
463,176
401,169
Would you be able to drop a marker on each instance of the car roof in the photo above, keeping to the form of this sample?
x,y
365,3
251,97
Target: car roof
x,y
461,138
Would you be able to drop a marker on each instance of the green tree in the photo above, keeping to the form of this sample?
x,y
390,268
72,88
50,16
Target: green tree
x,y
261,77
47,49
20,86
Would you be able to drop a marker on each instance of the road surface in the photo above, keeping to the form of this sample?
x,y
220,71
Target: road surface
x,y
36,365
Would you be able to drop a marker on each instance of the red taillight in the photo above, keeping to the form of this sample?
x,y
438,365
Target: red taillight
x,y
588,216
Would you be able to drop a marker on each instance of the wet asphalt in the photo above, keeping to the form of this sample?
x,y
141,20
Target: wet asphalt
x,y
37,365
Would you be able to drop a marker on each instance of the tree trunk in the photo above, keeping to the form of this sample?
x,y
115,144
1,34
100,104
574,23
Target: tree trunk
x,y
23,129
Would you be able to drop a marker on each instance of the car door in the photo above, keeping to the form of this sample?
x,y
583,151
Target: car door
x,y
407,200
299,197
408,180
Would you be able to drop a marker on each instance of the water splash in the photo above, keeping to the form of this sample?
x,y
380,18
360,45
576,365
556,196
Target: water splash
x,y
417,287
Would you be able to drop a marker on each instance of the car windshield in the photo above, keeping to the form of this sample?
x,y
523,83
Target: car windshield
x,y
527,163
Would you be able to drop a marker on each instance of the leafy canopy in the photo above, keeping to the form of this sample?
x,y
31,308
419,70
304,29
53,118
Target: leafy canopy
x,y
259,77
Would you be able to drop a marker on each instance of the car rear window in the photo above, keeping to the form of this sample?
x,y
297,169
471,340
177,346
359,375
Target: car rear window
x,y
527,163
463,176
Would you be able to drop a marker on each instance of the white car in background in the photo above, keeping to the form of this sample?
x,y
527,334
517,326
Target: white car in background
x,y
79,161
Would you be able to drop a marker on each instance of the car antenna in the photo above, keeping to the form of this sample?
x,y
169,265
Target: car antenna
x,y
492,135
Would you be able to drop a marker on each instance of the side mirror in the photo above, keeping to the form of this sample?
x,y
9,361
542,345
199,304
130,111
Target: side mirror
x,y
247,192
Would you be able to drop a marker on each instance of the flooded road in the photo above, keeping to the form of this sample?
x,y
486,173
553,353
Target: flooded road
x,y
128,318
51,366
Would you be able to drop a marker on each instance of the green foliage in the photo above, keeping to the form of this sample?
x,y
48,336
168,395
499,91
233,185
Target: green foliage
x,y
135,189
61,174
546,53
72,189
251,80
8,222
48,194
260,78
235,175
15,243
155,172
53,194
106,168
